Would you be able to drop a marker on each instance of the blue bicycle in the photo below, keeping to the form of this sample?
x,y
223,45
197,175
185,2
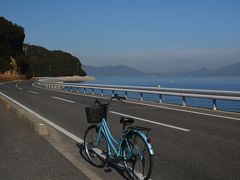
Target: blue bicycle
x,y
134,148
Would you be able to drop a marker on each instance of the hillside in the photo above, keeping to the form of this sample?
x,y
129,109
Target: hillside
x,y
11,44
52,63
24,61
112,71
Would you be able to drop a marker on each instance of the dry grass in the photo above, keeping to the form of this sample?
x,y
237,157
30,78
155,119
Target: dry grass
x,y
9,76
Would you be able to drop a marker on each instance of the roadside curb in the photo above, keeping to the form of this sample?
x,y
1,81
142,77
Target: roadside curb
x,y
61,142
37,125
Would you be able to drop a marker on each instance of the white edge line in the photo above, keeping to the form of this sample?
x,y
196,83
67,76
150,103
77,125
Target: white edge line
x,y
66,100
33,92
20,88
151,105
153,122
67,133
188,111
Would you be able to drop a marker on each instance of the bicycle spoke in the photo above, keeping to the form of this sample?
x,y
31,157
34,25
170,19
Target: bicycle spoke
x,y
95,146
138,166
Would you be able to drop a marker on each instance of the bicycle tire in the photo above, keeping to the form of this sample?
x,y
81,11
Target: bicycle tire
x,y
97,152
137,157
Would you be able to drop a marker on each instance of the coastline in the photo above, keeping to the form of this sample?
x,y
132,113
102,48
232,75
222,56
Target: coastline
x,y
66,79
76,78
15,77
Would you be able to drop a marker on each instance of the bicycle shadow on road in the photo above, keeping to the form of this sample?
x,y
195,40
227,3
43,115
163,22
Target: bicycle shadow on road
x,y
112,164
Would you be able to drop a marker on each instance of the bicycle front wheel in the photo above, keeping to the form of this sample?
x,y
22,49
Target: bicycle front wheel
x,y
95,145
137,157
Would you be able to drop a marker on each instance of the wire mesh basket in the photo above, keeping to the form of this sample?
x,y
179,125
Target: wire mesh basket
x,y
95,114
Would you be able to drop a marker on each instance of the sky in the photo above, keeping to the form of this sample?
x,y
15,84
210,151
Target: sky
x,y
160,36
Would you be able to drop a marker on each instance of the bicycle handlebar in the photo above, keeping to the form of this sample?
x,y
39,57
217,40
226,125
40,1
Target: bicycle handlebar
x,y
116,96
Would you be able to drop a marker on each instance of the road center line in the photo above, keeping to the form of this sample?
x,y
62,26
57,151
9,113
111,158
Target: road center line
x,y
152,122
66,100
33,92
152,105
183,110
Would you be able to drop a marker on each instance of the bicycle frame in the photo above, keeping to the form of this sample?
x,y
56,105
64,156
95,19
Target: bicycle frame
x,y
111,140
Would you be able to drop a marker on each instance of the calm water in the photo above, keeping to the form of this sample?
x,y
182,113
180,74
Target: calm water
x,y
212,83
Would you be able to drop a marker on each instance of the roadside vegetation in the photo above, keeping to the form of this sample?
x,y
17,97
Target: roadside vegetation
x,y
20,61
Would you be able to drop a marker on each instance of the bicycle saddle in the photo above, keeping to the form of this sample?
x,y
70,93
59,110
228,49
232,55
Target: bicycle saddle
x,y
126,120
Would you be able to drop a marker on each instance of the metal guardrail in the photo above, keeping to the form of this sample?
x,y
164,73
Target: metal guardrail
x,y
183,93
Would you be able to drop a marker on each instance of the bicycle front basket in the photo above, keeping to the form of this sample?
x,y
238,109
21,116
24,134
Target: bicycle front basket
x,y
95,114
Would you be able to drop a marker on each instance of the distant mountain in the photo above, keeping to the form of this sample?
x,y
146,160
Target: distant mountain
x,y
112,71
230,70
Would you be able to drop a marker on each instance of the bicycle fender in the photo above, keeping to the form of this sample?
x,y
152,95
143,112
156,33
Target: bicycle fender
x,y
145,139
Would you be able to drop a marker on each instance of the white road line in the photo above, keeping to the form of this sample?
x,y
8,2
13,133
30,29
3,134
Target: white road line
x,y
17,85
66,100
33,92
20,88
67,133
187,111
153,122
151,105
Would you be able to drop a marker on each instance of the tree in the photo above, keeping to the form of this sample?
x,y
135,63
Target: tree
x,y
11,45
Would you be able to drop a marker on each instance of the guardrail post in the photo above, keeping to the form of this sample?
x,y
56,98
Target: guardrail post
x,y
71,90
141,95
214,105
101,92
92,91
84,90
112,93
126,96
160,98
183,101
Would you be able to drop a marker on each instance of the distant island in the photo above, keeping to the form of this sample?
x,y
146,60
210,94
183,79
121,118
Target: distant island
x,y
19,60
230,70
112,71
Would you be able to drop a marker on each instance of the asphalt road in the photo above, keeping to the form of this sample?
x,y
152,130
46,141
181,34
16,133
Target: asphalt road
x,y
26,156
188,143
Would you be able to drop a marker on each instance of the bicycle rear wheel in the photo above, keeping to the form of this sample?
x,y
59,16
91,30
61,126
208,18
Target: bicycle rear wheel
x,y
137,158
95,145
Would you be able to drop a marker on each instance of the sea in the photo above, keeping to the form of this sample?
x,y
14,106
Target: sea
x,y
205,83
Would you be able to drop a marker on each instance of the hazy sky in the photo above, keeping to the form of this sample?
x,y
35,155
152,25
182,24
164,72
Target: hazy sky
x,y
151,35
